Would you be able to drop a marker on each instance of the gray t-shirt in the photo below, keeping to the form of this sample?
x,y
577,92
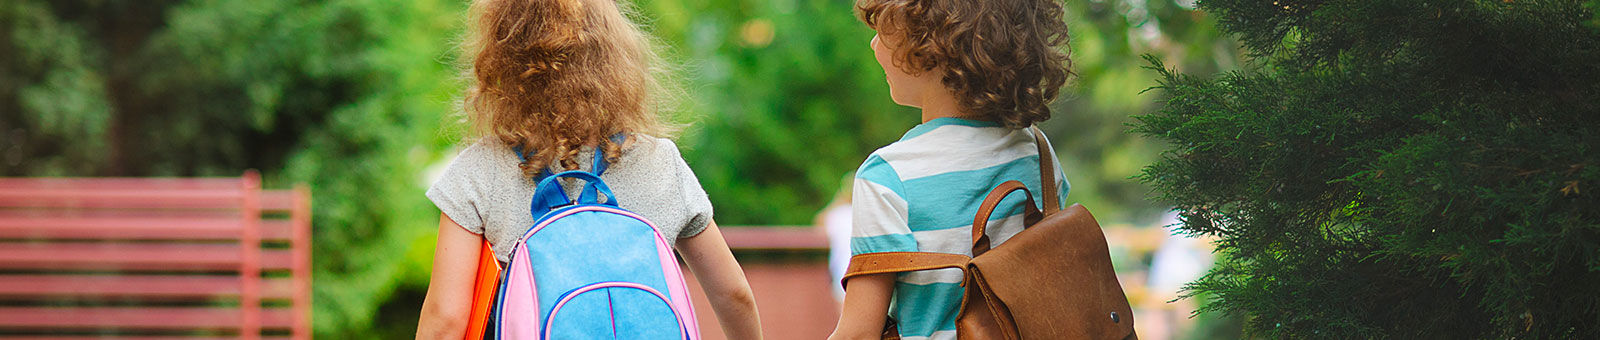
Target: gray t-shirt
x,y
485,192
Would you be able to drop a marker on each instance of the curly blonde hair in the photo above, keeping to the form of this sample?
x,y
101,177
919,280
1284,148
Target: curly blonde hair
x,y
553,76
1004,59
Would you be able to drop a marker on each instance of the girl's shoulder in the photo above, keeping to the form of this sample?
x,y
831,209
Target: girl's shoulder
x,y
485,155
651,154
647,145
479,164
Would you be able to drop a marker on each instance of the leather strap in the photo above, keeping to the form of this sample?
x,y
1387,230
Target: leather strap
x,y
1047,172
1050,194
980,222
902,261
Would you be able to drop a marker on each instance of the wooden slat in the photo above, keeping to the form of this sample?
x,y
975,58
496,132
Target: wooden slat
x,y
250,290
134,228
121,183
119,337
277,259
137,228
775,238
300,220
129,318
277,230
165,287
117,199
120,227
134,256
277,200
278,288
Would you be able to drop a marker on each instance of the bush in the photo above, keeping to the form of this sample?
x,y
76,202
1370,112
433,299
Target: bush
x,y
1406,169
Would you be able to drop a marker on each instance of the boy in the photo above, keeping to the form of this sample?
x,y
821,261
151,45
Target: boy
x,y
982,72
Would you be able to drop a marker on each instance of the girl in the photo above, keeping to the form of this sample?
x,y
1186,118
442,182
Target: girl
x,y
554,80
982,72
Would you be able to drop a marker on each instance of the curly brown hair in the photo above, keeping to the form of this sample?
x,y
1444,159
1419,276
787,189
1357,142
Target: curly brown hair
x,y
554,76
1004,59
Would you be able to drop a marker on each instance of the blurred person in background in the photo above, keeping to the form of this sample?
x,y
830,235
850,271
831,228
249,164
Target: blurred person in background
x,y
835,221
1179,260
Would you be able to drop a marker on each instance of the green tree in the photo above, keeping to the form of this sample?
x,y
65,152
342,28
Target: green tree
x,y
54,102
1405,169
348,96
786,101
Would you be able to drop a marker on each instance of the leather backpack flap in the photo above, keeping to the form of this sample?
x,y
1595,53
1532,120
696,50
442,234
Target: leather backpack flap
x,y
1056,280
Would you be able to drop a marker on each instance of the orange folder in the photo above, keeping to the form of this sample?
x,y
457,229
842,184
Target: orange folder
x,y
484,290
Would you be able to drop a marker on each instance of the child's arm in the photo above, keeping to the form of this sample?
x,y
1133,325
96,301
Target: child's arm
x,y
723,281
880,223
449,301
866,303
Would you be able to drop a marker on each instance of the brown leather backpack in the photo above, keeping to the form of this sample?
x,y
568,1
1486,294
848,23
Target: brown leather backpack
x,y
1053,280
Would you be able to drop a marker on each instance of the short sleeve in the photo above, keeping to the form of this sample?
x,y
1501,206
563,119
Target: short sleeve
x,y
695,202
455,192
879,221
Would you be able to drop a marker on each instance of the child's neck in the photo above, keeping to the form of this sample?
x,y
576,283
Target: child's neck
x,y
941,105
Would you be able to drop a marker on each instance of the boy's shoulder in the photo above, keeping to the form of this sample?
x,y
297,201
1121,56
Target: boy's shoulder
x,y
919,149
935,148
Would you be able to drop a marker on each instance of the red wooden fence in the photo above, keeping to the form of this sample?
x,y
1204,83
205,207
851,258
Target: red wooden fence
x,y
148,258
788,271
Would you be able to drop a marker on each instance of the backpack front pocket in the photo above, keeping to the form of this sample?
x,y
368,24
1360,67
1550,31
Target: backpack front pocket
x,y
614,310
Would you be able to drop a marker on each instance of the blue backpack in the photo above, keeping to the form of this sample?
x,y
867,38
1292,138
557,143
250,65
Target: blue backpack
x,y
588,269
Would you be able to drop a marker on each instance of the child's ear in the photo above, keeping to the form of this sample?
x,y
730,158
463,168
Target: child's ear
x,y
890,40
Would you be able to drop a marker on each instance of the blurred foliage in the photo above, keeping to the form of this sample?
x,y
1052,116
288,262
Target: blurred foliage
x,y
1395,169
356,98
1091,118
348,96
1593,7
789,99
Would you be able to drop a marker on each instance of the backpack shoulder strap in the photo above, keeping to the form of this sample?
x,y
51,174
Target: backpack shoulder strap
x,y
523,156
598,165
1047,172
904,261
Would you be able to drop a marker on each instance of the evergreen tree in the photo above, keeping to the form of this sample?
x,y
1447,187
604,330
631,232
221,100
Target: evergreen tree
x,y
1395,169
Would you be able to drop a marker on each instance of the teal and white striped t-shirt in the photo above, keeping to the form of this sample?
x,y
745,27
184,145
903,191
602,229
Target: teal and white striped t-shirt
x,y
921,193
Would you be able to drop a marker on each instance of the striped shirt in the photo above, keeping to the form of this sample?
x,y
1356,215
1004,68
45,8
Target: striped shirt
x,y
921,193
